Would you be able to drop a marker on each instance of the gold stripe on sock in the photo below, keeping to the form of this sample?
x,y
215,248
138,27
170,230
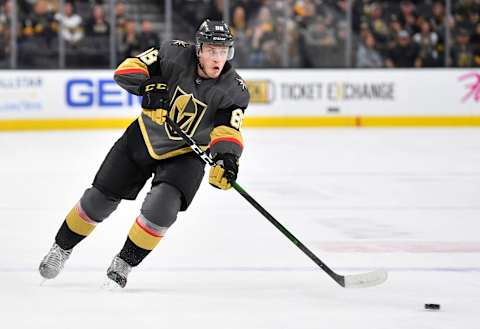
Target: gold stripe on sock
x,y
142,238
78,222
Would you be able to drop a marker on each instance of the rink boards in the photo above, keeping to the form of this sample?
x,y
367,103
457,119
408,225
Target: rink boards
x,y
78,99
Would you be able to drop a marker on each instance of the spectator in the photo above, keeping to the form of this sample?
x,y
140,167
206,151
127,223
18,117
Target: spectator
x,y
463,54
465,13
262,33
239,19
378,24
360,13
131,42
38,43
320,41
121,27
97,24
251,6
287,50
96,45
367,56
395,27
339,52
271,55
40,24
427,42
342,7
437,21
53,5
242,35
191,12
120,16
148,38
25,7
72,24
407,16
215,10
4,45
5,11
404,54
475,38
472,20
304,14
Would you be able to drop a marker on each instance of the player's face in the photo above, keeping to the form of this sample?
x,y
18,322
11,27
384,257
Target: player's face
x,y
213,58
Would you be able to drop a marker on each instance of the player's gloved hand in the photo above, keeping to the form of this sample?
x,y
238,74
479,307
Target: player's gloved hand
x,y
155,99
224,172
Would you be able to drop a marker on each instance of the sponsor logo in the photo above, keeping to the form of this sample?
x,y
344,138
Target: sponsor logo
x,y
21,83
301,91
473,87
20,105
356,91
338,91
261,91
84,93
264,91
21,93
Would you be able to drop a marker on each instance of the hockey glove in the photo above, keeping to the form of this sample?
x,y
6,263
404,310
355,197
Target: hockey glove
x,y
155,99
224,171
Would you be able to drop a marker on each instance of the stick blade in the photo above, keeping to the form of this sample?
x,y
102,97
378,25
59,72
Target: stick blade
x,y
365,280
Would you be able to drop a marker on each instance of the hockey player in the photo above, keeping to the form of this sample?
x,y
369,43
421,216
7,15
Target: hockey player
x,y
194,85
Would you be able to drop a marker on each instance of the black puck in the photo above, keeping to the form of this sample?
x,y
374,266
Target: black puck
x,y
434,307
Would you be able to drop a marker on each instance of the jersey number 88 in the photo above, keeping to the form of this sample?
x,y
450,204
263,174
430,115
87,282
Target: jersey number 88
x,y
236,118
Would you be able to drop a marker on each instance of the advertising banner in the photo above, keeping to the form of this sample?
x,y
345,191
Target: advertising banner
x,y
275,95
63,94
364,92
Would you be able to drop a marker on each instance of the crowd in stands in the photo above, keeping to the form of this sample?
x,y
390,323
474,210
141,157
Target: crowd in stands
x,y
414,33
269,33
86,33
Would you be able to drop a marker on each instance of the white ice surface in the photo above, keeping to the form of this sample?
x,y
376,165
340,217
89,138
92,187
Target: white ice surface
x,y
407,200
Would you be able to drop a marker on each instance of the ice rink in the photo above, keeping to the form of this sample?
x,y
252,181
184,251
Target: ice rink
x,y
406,200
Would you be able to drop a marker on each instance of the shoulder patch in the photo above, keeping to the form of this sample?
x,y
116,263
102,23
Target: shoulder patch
x,y
241,83
180,43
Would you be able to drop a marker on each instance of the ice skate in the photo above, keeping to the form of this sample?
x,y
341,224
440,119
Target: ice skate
x,y
52,264
118,271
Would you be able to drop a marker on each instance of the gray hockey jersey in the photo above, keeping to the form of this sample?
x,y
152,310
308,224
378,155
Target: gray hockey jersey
x,y
208,110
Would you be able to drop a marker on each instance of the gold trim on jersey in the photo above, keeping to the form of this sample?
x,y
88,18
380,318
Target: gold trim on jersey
x,y
132,63
186,111
167,155
158,116
222,132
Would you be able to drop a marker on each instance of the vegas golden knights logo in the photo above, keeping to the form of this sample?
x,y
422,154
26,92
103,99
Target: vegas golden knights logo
x,y
186,111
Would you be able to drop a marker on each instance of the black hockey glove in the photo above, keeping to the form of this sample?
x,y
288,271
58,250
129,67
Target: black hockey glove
x,y
155,99
224,171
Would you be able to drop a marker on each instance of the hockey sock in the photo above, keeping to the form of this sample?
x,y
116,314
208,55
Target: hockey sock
x,y
142,239
76,227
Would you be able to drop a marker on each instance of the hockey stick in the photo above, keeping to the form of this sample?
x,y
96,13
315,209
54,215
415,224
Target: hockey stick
x,y
360,280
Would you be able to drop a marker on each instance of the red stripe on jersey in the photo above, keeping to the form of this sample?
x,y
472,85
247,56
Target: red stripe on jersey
x,y
129,71
146,229
227,139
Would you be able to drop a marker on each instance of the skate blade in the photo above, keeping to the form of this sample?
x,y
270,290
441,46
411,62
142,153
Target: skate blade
x,y
110,285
